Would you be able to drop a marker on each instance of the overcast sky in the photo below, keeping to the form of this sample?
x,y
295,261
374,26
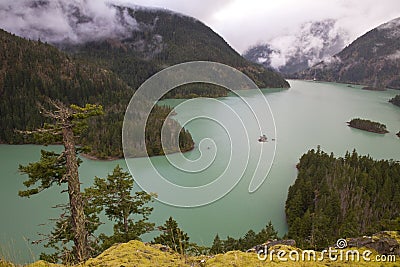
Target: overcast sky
x,y
247,22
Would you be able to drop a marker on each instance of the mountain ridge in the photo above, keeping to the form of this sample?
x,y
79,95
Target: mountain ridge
x,y
107,70
373,60
312,42
155,37
171,39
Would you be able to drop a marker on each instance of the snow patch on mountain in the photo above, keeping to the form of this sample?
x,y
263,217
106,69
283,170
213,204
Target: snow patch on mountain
x,y
394,56
315,41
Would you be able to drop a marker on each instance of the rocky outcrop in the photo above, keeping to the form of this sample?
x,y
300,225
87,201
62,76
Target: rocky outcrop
x,y
383,243
136,253
271,243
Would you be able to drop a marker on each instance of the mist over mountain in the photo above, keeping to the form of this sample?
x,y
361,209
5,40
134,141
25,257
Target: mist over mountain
x,y
108,51
73,21
373,60
313,42
126,37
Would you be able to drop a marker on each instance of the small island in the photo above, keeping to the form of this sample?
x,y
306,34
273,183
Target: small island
x,y
395,100
367,125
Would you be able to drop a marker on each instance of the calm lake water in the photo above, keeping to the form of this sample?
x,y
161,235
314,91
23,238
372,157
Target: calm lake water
x,y
306,115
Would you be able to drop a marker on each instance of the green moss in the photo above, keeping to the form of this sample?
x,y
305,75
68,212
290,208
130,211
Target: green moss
x,y
238,258
5,264
136,253
43,264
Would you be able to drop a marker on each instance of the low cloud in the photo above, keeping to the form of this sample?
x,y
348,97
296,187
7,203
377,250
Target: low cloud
x,y
64,20
313,42
203,10
246,23
242,23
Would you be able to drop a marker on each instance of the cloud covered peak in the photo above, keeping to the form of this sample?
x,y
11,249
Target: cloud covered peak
x,y
72,21
313,42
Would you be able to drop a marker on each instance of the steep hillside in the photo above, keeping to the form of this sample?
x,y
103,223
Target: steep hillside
x,y
261,54
373,60
31,71
132,41
162,39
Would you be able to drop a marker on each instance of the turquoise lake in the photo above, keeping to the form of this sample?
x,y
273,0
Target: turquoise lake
x,y
306,115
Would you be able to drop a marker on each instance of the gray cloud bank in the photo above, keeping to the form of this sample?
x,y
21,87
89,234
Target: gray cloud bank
x,y
242,23
65,20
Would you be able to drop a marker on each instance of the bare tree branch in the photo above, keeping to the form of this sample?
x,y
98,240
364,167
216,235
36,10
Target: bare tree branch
x,y
40,131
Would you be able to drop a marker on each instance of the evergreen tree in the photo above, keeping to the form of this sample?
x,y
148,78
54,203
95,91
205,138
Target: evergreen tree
x,y
217,246
267,233
62,234
231,244
249,240
336,198
173,237
395,100
367,125
129,212
53,168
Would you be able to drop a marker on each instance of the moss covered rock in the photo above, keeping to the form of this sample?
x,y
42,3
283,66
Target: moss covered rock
x,y
136,253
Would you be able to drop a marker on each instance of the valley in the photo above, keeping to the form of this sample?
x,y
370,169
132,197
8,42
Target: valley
x,y
292,145
295,116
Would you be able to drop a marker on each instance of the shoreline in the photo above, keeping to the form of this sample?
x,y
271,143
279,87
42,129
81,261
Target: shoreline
x,y
368,126
370,88
367,130
94,158
91,157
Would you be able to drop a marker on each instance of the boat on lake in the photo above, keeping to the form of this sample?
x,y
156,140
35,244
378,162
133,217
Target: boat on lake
x,y
263,138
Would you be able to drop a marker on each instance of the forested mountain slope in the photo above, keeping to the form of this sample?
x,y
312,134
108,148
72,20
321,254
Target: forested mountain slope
x,y
373,60
161,39
31,71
